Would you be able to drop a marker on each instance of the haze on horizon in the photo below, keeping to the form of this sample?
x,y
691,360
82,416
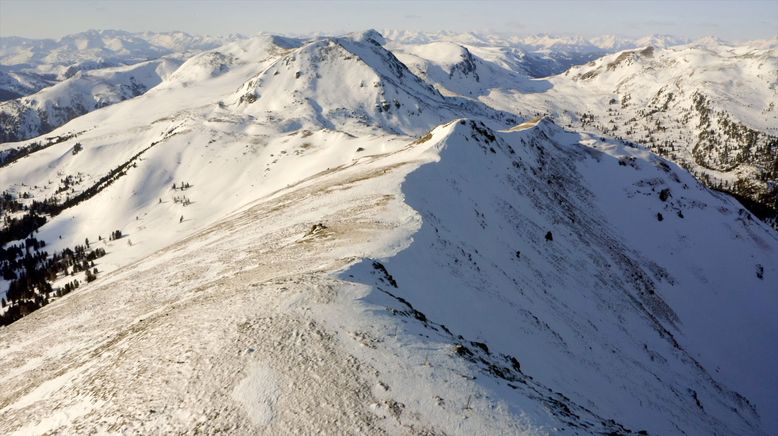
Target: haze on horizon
x,y
729,20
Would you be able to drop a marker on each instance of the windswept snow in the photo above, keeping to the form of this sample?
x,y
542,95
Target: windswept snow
x,y
334,235
258,393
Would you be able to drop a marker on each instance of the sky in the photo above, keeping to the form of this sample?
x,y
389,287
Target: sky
x,y
729,20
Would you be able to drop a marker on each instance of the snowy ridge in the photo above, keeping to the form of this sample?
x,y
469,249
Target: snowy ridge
x,y
216,62
457,71
350,84
17,84
299,253
475,287
417,341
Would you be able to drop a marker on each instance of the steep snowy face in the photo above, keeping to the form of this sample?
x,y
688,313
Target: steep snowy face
x,y
351,84
40,113
711,107
593,269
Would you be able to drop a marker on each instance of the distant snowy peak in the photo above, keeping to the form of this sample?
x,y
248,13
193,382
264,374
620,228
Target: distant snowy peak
x,y
536,55
371,36
350,83
469,71
443,53
29,60
36,114
538,42
611,63
181,41
216,62
659,41
102,44
764,44
706,105
441,63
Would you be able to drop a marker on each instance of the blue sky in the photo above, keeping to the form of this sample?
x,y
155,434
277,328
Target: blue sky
x,y
729,20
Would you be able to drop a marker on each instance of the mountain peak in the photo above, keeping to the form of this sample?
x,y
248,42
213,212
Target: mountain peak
x,y
370,35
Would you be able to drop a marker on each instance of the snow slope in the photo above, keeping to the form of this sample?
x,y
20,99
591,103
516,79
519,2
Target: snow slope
x,y
341,266
709,106
199,125
37,114
280,328
17,84
619,311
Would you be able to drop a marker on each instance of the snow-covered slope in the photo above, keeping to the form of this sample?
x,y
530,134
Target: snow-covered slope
x,y
60,59
470,321
708,106
37,114
203,122
616,308
17,84
301,254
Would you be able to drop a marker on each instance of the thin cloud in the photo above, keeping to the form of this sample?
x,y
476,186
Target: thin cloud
x,y
652,23
515,25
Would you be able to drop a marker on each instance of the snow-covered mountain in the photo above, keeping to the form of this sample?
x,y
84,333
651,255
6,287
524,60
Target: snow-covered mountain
x,y
17,84
259,92
37,114
295,236
25,59
48,55
350,84
539,55
710,107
